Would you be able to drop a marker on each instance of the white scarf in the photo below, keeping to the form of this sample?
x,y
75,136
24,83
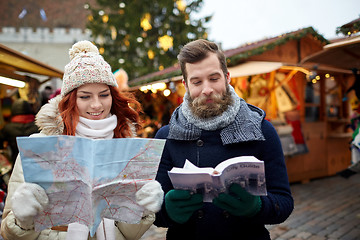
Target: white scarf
x,y
96,129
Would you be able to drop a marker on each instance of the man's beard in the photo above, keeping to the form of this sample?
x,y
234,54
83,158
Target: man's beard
x,y
219,104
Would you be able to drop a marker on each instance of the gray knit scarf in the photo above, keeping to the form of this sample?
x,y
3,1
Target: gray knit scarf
x,y
239,123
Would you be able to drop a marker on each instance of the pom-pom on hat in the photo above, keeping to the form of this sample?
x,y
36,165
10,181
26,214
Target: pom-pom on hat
x,y
86,66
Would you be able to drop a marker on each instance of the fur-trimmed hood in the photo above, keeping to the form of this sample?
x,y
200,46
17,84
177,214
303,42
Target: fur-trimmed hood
x,y
48,118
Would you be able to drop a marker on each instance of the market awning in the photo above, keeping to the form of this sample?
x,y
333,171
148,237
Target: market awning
x,y
343,54
253,68
16,65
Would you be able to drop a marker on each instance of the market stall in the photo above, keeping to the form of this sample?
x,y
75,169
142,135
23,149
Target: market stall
x,y
19,75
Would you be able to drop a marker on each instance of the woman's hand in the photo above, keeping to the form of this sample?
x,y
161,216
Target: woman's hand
x,y
150,196
28,200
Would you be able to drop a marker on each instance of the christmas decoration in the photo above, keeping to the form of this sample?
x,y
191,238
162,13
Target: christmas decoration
x,y
166,42
350,28
145,35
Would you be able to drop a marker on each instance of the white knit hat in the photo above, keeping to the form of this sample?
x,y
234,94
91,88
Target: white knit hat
x,y
86,66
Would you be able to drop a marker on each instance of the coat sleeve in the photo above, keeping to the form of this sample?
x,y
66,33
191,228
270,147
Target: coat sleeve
x,y
162,218
9,229
278,204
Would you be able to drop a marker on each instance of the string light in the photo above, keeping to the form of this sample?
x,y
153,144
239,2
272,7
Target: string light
x,y
166,42
181,5
153,87
145,22
151,54
12,82
105,18
166,92
113,32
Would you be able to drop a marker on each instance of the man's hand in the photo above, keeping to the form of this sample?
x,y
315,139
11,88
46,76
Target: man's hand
x,y
238,202
181,204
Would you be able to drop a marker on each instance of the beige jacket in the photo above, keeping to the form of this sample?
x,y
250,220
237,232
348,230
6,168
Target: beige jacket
x,y
48,122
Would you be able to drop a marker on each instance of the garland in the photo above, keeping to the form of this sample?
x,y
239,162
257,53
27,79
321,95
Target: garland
x,y
235,59
349,30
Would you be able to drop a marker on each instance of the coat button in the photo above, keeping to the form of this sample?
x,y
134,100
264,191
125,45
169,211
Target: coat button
x,y
200,214
200,143
226,214
277,207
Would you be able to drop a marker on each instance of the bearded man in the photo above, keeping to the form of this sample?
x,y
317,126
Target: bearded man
x,y
212,125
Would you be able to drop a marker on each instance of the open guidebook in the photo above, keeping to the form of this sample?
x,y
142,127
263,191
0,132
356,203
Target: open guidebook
x,y
247,171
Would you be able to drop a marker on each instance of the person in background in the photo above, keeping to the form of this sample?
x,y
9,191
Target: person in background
x,y
22,123
57,92
45,95
354,167
213,124
91,106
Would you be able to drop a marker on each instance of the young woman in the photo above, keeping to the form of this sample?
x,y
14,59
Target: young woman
x,y
91,106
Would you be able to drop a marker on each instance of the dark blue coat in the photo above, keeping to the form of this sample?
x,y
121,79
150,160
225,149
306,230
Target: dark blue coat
x,y
212,222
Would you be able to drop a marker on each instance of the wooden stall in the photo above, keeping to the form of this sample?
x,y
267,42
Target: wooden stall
x,y
18,68
312,108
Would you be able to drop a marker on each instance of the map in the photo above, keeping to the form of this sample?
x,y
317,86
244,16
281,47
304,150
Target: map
x,y
86,179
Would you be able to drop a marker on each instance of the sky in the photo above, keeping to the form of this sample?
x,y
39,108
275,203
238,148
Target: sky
x,y
236,22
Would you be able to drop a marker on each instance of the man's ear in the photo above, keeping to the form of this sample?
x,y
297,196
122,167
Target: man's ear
x,y
184,82
228,77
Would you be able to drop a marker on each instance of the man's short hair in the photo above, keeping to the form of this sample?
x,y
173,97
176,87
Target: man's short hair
x,y
198,50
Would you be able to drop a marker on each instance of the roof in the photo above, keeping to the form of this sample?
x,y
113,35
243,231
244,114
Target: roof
x,y
234,56
343,54
349,28
16,65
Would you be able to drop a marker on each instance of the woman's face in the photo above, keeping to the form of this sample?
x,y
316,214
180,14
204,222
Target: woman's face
x,y
94,101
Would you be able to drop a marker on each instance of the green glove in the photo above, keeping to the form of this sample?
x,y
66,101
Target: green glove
x,y
181,204
238,202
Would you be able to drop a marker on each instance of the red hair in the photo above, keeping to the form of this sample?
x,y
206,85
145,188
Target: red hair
x,y
126,115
